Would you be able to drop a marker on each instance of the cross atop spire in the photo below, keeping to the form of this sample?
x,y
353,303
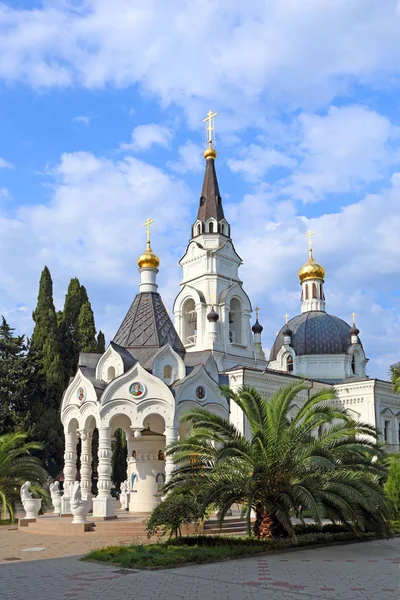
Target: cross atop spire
x,y
257,311
210,137
287,318
353,316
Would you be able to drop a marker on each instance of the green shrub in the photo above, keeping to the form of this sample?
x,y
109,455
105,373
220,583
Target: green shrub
x,y
176,511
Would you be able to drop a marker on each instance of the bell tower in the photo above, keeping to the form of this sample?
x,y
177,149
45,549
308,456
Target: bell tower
x,y
212,310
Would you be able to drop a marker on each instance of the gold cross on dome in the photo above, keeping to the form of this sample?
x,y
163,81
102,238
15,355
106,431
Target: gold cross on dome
x,y
287,318
353,316
210,125
257,311
147,224
309,234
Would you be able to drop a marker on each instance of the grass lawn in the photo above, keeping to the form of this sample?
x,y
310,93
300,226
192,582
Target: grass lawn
x,y
201,549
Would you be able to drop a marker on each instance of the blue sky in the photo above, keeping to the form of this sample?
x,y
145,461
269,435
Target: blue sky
x,y
101,108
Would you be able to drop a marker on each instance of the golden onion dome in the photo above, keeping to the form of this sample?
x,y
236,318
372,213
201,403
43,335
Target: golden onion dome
x,y
210,152
148,259
311,270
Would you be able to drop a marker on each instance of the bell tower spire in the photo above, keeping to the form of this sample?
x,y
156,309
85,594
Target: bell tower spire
x,y
210,215
311,277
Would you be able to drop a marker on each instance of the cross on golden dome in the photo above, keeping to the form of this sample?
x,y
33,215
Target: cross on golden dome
x,y
148,259
309,234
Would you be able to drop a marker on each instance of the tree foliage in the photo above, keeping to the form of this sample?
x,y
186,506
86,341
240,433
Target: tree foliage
x,y
392,485
285,464
75,298
101,343
173,513
86,329
119,456
395,376
19,381
18,465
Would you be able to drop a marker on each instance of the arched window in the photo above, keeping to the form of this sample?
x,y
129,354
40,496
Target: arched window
x,y
235,322
314,291
111,373
386,431
353,364
198,229
211,227
189,322
306,288
289,363
167,372
222,229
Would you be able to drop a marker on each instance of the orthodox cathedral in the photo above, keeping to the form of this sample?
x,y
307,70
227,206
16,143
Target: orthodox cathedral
x,y
154,369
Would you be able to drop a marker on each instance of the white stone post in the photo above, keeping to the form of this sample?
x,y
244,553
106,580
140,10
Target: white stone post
x,y
86,466
170,437
104,504
69,470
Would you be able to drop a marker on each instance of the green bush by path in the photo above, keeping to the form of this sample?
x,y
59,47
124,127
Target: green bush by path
x,y
200,549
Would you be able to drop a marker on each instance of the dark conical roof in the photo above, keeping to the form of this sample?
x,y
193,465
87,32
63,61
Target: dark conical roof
x,y
147,325
210,200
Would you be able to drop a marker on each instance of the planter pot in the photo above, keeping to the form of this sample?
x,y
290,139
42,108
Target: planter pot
x,y
32,507
80,512
56,502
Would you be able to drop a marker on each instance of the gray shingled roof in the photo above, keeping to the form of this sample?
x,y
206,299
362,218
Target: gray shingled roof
x,y
147,325
315,332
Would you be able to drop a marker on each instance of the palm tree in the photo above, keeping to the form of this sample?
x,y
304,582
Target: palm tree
x,y
395,376
17,465
284,464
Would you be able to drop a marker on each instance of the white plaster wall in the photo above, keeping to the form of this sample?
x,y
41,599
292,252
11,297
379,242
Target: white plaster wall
x,y
110,358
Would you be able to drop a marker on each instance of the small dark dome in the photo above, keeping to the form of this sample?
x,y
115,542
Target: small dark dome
x,y
287,332
257,327
315,332
213,316
354,330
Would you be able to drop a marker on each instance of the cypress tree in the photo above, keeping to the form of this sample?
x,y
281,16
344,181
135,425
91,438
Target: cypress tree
x,y
86,329
45,339
45,351
101,343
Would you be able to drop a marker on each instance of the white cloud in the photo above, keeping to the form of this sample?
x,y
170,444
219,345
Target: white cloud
x,y
82,119
146,136
258,161
93,229
4,164
241,56
190,159
342,150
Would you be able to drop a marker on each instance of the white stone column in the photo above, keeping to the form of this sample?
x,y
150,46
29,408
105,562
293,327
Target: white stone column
x,y
104,504
86,466
69,470
170,437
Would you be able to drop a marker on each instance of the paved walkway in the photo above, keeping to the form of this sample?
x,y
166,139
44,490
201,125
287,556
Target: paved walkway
x,y
369,571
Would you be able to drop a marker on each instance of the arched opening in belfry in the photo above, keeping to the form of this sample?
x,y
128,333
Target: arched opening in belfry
x,y
189,322
289,363
167,372
110,374
235,322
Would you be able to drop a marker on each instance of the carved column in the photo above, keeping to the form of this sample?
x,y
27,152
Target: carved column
x,y
86,465
170,437
69,469
104,504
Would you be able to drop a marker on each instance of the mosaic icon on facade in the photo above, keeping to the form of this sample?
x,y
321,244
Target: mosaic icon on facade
x,y
81,394
137,389
200,392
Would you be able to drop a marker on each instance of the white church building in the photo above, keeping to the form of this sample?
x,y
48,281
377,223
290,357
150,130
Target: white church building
x,y
155,370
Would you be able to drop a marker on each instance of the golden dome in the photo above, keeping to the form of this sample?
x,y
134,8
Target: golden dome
x,y
210,152
148,259
311,270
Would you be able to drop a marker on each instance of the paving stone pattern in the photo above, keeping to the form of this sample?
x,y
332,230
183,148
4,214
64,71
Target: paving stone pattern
x,y
369,571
